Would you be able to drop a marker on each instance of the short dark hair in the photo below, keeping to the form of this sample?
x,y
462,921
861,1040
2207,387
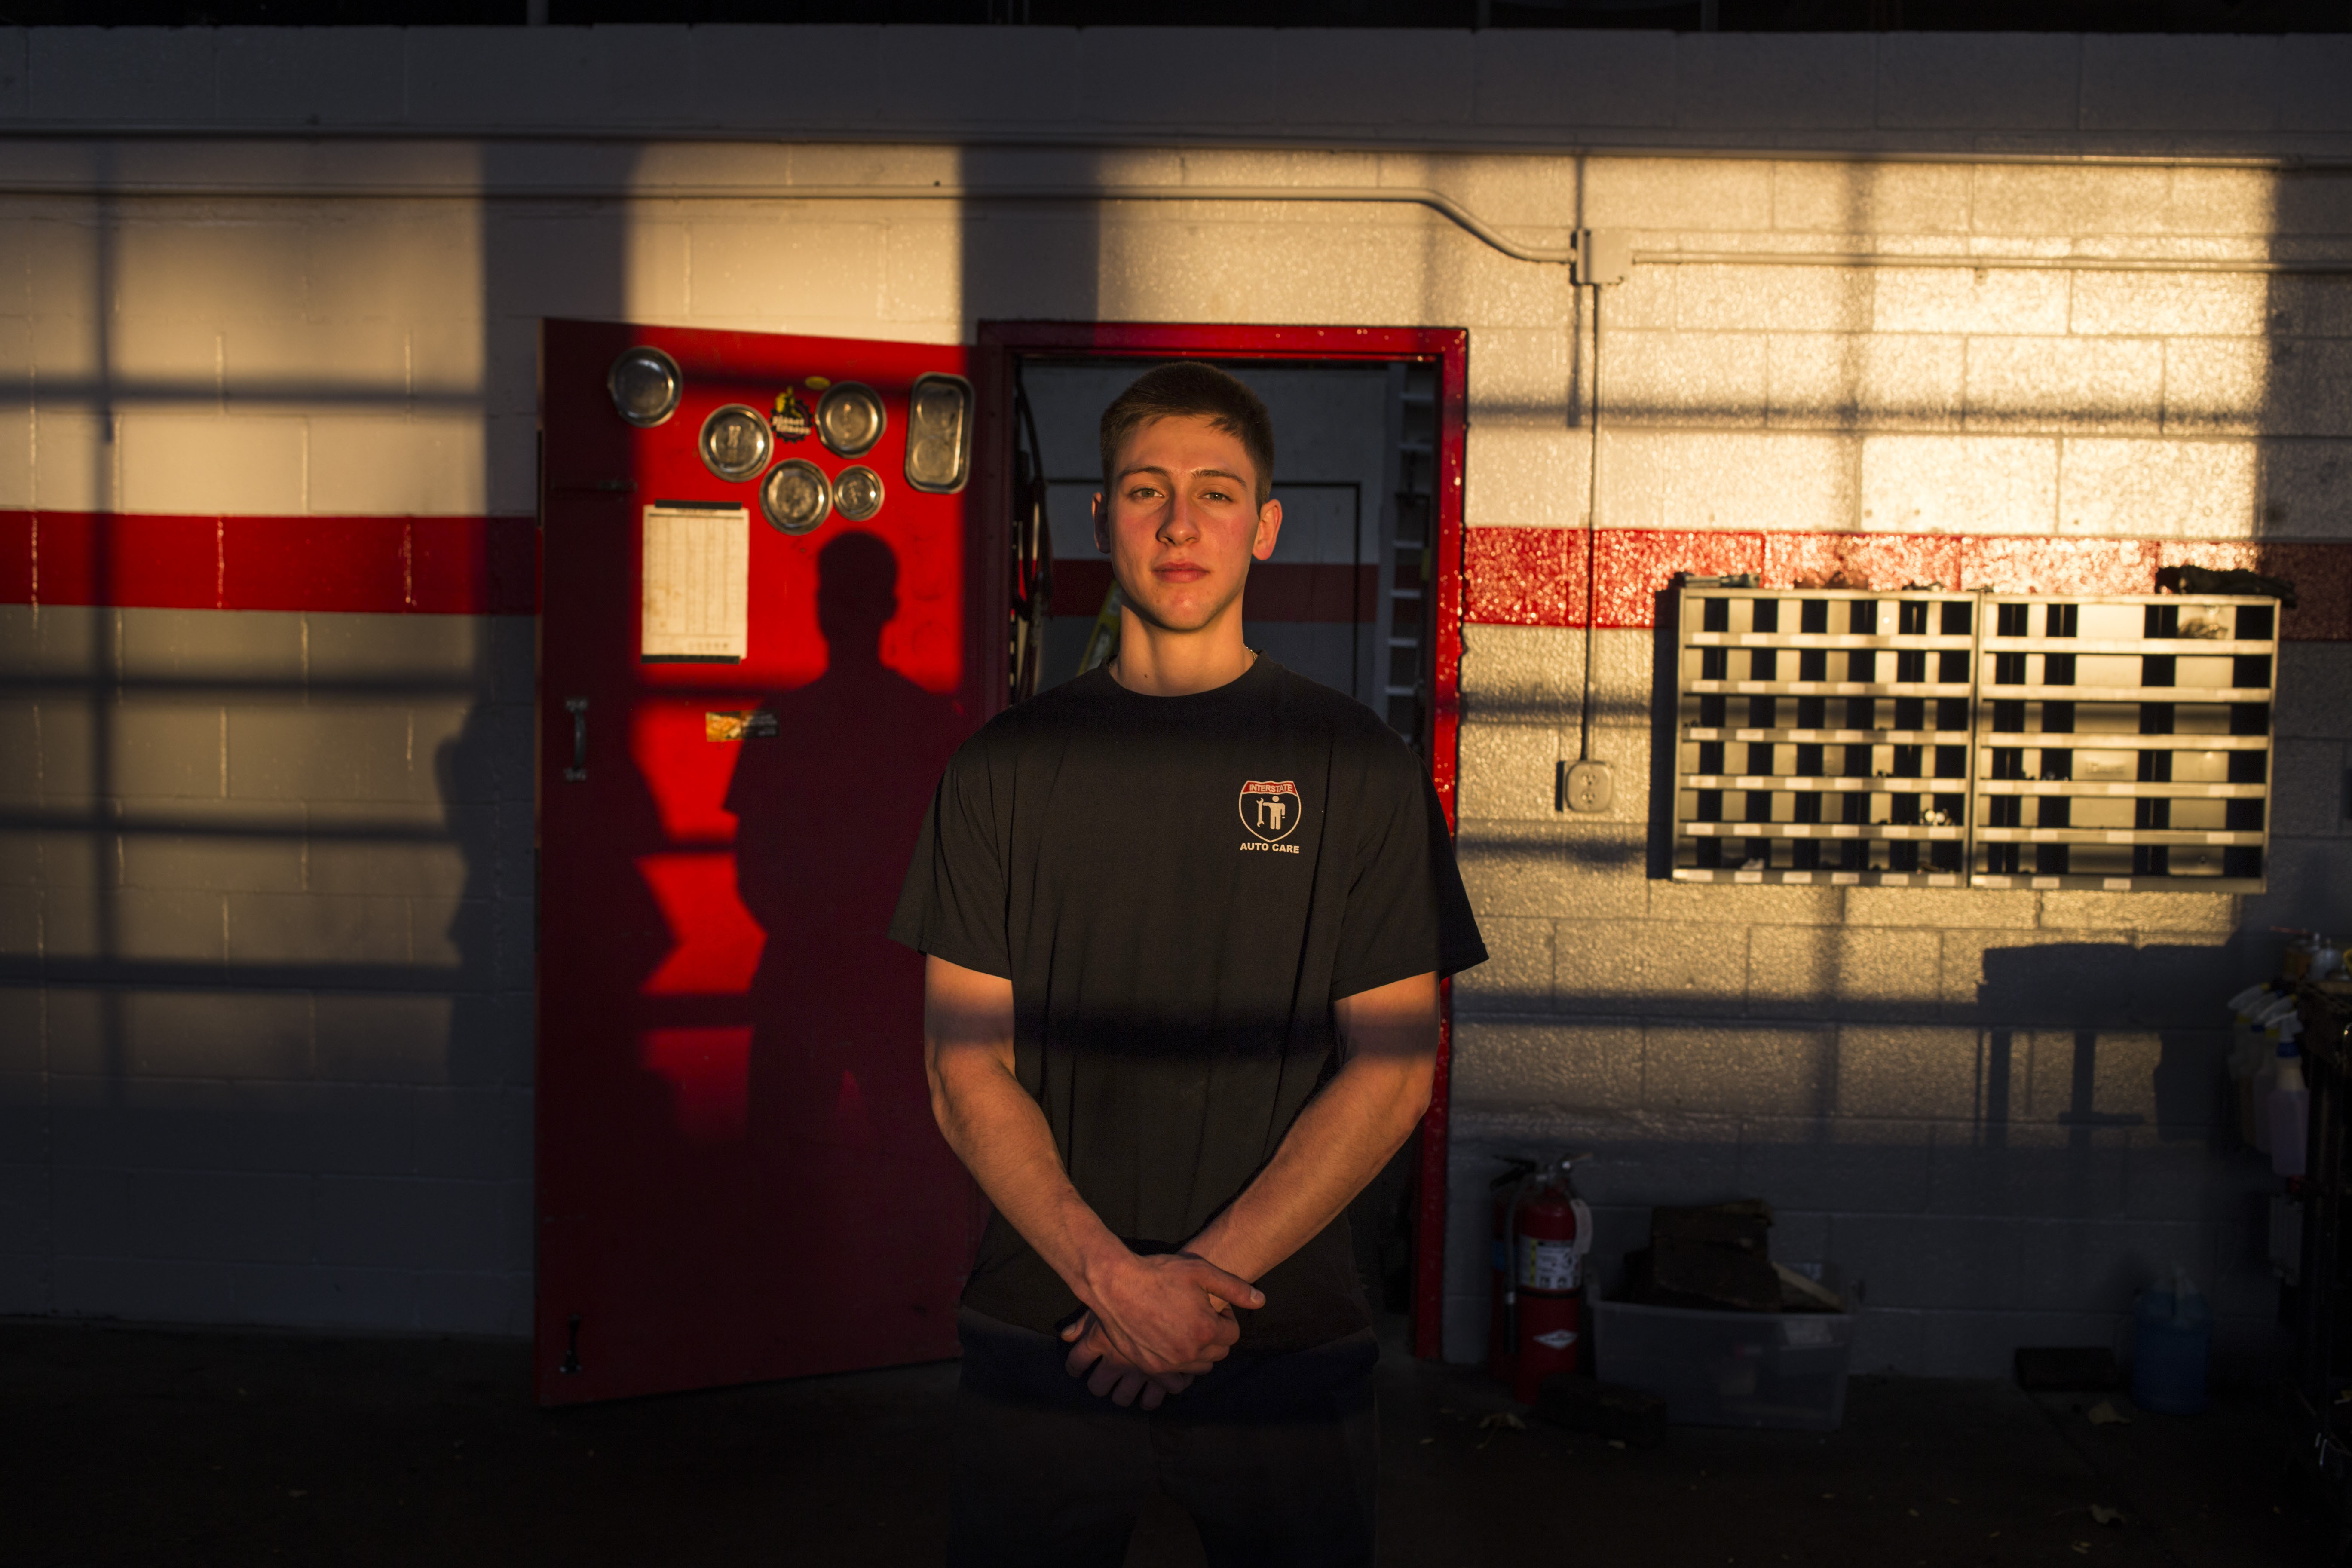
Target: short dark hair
x,y
1188,388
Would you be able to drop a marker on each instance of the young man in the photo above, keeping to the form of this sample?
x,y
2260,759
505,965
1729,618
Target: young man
x,y
1184,918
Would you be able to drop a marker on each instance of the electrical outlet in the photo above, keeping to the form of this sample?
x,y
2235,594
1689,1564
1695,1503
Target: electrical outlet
x,y
1585,786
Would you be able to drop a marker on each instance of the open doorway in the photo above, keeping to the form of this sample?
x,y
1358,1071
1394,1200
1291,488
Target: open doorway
x,y
1362,593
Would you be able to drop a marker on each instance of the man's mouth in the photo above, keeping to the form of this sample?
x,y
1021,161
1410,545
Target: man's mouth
x,y
1178,571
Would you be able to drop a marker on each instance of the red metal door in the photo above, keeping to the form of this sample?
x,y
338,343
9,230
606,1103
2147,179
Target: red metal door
x,y
739,1176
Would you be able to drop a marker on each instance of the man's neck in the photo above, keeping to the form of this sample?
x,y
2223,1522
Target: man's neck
x,y
1155,662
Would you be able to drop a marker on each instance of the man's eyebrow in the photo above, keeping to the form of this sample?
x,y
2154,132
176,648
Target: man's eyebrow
x,y
1126,474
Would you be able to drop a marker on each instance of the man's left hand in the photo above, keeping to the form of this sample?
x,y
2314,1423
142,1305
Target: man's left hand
x,y
1111,1375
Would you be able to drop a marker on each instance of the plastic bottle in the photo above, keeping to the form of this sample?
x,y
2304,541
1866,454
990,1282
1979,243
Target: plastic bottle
x,y
2289,1105
2248,1052
2273,1020
2172,1339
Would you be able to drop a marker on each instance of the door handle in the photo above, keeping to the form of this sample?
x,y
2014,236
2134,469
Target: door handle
x,y
578,708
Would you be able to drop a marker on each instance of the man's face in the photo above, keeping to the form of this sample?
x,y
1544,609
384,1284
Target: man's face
x,y
1181,522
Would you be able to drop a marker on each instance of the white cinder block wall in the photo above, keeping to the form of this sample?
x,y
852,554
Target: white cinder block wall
x,y
264,994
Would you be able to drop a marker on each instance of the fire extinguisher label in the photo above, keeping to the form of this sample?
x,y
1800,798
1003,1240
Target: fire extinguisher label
x,y
1557,1340
1548,1264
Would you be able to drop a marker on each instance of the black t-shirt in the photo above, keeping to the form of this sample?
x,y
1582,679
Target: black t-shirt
x,y
1178,888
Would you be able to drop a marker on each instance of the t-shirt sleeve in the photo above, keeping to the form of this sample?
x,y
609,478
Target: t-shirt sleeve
x,y
1407,913
953,904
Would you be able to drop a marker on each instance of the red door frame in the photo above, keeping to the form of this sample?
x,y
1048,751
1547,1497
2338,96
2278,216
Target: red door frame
x,y
1448,348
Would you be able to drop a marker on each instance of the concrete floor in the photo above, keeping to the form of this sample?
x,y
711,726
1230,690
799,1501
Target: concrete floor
x,y
167,1447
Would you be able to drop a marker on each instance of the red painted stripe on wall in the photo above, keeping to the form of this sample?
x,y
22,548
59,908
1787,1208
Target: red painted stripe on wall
x,y
386,565
1535,576
1512,576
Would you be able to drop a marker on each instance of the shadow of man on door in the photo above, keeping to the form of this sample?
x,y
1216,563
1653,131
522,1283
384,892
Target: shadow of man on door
x,y
841,1141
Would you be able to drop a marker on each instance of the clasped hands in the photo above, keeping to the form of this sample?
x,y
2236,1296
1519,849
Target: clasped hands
x,y
1154,1323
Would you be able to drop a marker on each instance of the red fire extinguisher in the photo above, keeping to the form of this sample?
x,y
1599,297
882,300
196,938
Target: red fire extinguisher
x,y
1542,1231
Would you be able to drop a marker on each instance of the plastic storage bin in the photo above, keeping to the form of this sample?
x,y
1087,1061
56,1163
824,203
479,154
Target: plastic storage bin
x,y
1783,1369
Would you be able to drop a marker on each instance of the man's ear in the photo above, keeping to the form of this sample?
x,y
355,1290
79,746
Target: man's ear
x,y
1102,525
1269,527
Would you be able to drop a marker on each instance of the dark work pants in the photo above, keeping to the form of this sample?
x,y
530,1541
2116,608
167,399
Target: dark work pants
x,y
1274,1454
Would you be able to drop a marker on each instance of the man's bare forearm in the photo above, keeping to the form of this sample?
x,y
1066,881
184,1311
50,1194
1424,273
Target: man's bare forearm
x,y
1349,1132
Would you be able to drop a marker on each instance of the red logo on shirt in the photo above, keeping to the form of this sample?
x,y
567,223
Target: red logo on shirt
x,y
1270,808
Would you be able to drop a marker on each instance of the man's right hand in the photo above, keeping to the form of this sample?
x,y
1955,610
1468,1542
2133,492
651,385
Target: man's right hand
x,y
1170,1312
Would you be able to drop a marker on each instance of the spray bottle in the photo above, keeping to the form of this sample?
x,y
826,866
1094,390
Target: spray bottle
x,y
2272,1019
2290,1105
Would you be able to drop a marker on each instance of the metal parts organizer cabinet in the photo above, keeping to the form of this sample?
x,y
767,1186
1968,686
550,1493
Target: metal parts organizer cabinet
x,y
1994,740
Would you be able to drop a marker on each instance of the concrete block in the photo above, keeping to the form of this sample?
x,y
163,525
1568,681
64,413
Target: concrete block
x,y
1742,1069
2175,982
193,645
408,1223
2172,84
333,751
342,75
206,463
157,747
1552,869
786,270
565,263
211,1216
514,76
1603,968
1526,473
2315,690
1790,481
1372,76
1683,378
1959,484
2308,879
1914,1071
1758,81
1520,675
2097,1265
20,752
923,271
1822,196
125,76
736,69
2177,1175
1710,903
2028,202
16,447
382,1040
496,1305
1522,373
2007,978
1732,298
2217,386
214,274
428,869
23,1049
432,651
1885,1340
2302,494
477,1134
1675,193
1984,302
408,262
1849,1166
2075,384
20,922
1517,974
311,1296
14,43
171,925
1677,1161
1582,79
1978,81
318,928
1508,772
2172,305
421,465
1819,972
1925,1262
1224,76
2307,83
2022,1170
78,462
284,367
2164,489
1575,1067
24,1210
2308,786
180,1034
180,361
2206,914
143,1289
1939,908
2305,393
959,76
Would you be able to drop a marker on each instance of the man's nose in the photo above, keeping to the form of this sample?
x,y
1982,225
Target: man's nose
x,y
1177,525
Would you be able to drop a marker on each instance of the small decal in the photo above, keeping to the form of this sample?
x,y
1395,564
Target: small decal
x,y
752,726
791,420
1270,809
1557,1340
817,383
